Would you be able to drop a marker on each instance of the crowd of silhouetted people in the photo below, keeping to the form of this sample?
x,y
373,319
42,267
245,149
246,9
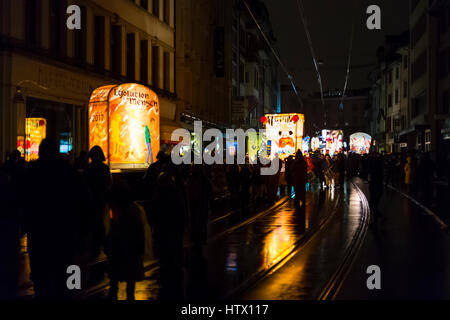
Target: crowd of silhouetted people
x,y
71,213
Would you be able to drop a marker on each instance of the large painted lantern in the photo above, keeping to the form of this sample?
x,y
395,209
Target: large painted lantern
x,y
360,143
284,133
124,122
332,142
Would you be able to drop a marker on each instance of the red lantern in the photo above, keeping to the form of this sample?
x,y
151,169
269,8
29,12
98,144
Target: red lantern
x,y
295,118
263,120
41,123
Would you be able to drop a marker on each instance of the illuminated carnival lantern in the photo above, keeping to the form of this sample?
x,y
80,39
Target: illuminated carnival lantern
x,y
124,121
284,133
360,143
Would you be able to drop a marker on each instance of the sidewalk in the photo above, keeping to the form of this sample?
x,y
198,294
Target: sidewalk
x,y
410,249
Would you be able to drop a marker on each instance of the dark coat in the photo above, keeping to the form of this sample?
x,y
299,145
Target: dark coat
x,y
126,245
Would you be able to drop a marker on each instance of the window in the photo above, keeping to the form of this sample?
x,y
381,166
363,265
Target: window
x,y
396,96
390,76
32,22
397,73
256,82
57,27
405,62
116,49
419,67
80,38
155,9
390,101
419,29
167,11
419,105
144,61
247,75
155,66
166,71
99,42
131,56
405,89
144,4
241,72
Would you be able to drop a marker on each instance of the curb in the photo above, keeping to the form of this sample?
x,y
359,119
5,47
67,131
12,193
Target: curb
x,y
436,218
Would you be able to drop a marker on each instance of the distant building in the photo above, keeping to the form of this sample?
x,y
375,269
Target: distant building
x,y
337,113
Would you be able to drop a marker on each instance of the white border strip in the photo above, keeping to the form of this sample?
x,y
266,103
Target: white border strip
x,y
441,223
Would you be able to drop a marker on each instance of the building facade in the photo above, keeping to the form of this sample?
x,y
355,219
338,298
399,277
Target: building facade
x,y
49,71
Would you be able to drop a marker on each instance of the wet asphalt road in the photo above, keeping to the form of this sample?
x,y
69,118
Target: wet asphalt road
x,y
308,271
413,254
233,259
289,254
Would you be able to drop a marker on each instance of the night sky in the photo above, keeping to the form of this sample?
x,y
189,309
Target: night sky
x,y
329,23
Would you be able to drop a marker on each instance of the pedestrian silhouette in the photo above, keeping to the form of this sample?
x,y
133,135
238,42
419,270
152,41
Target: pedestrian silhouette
x,y
125,243
98,179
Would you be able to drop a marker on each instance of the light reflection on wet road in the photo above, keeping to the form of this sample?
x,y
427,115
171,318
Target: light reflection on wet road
x,y
308,271
235,257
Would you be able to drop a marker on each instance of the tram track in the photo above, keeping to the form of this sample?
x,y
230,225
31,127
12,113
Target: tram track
x,y
334,285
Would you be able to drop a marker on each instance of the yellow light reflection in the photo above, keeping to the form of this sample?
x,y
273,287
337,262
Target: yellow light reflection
x,y
280,242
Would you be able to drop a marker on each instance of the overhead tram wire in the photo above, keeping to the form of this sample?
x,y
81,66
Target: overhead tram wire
x,y
349,55
289,76
301,10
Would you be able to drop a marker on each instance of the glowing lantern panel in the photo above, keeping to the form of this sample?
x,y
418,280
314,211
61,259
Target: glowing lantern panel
x,y
124,121
284,134
360,143
35,131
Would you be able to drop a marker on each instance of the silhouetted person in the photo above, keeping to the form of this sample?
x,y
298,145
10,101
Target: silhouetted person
x,y
166,213
199,193
425,173
98,178
375,170
299,179
10,229
245,179
409,173
288,173
52,208
125,243
81,162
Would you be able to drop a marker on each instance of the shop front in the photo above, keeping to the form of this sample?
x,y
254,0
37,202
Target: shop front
x,y
44,101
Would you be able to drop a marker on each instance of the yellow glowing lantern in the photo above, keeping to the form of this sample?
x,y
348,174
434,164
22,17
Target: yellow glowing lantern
x,y
35,132
124,122
284,133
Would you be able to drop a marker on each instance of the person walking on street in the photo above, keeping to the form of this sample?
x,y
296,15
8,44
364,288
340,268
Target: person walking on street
x,y
299,179
408,173
375,170
98,179
126,241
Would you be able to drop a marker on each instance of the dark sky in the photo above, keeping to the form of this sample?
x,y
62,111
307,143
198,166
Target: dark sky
x,y
329,24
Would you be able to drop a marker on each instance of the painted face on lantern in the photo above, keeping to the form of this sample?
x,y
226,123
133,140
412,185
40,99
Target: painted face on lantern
x,y
286,137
